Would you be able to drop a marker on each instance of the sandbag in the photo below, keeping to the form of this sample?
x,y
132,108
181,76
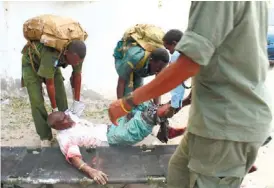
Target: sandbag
x,y
53,31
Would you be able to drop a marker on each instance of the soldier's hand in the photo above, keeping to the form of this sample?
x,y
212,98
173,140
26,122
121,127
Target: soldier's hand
x,y
169,113
77,108
54,110
116,110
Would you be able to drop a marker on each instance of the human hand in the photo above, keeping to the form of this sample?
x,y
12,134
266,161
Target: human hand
x,y
174,132
116,110
54,110
170,112
98,176
165,111
77,108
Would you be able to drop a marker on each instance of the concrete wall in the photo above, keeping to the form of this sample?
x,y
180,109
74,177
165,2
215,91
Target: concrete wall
x,y
104,20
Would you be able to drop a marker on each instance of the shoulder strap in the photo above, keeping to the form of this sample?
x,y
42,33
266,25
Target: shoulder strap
x,y
34,48
138,66
143,60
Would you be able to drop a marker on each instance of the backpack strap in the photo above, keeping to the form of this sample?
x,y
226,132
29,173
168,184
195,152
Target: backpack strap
x,y
31,60
139,65
143,61
30,44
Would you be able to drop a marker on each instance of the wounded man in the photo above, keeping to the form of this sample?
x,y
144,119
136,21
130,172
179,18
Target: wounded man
x,y
73,132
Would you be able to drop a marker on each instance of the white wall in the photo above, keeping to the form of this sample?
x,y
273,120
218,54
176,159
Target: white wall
x,y
104,20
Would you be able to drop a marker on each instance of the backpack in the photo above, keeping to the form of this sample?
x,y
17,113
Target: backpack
x,y
53,31
148,36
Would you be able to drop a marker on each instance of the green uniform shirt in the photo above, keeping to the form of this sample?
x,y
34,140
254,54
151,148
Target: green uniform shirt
x,y
229,98
47,64
127,64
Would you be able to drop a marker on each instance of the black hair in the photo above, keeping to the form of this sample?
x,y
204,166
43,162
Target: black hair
x,y
78,47
160,54
173,35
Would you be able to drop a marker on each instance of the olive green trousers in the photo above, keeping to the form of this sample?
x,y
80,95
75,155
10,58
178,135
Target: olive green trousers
x,y
200,162
33,83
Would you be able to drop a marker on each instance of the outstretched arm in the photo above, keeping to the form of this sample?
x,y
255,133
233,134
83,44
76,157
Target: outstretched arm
x,y
197,46
71,151
98,176
167,79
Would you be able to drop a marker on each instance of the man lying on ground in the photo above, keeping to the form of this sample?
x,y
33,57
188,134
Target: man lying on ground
x,y
73,132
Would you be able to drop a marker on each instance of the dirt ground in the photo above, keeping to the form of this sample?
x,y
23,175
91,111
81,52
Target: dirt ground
x,y
17,129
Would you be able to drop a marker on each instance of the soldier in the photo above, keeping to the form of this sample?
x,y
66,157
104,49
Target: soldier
x,y
41,64
139,54
230,115
128,64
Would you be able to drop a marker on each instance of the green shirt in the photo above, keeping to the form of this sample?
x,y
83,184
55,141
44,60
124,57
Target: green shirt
x,y
128,63
48,62
229,99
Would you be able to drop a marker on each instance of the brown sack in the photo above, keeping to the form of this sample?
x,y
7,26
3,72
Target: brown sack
x,y
53,31
148,36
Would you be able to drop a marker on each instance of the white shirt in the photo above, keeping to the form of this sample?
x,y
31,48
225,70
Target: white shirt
x,y
82,134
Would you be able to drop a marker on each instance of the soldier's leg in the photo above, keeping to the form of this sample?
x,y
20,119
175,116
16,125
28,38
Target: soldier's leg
x,y
219,163
178,172
39,113
60,92
202,181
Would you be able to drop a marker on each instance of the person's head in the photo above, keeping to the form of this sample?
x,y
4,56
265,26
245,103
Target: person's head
x,y
60,121
159,59
171,38
75,52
